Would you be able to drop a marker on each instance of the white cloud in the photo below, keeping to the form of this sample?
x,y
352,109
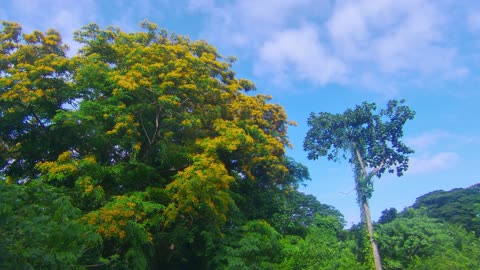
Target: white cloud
x,y
372,44
300,52
247,23
444,144
396,36
67,16
278,35
427,139
348,29
433,163
272,12
473,20
430,139
201,5
64,16
366,43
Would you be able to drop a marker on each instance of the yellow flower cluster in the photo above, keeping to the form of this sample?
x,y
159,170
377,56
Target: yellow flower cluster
x,y
125,123
112,219
201,190
64,166
86,184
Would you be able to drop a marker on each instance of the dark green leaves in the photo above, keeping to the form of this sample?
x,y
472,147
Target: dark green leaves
x,y
458,206
375,134
39,229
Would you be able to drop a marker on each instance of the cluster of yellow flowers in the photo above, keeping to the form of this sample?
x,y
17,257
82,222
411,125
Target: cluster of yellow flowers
x,y
112,219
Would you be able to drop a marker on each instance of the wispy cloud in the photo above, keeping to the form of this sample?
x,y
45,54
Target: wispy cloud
x,y
201,5
433,163
473,20
298,51
368,43
427,139
433,138
437,150
371,44
396,36
68,16
65,16
248,23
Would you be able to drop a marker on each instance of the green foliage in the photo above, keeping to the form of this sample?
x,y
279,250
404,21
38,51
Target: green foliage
x,y
374,136
35,83
148,135
457,206
298,212
40,229
388,215
415,241
362,247
320,249
257,246
277,197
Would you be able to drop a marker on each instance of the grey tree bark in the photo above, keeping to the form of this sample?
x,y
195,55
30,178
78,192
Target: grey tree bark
x,y
361,173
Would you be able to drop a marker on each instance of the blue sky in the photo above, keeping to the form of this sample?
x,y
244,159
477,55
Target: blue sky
x,y
320,55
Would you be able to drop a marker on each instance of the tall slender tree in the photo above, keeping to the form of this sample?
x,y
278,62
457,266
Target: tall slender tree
x,y
370,140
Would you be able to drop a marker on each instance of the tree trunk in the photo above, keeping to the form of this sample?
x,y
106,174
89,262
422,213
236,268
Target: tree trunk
x,y
368,221
361,173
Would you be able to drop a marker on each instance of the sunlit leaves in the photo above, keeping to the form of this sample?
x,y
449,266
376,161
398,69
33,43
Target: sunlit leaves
x,y
320,249
112,219
458,206
66,166
201,190
9,38
172,94
149,133
415,241
35,82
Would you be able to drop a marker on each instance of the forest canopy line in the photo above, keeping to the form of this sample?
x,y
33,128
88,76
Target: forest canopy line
x,y
145,151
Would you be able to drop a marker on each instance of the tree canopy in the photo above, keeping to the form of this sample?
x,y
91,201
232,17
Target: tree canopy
x,y
374,136
147,126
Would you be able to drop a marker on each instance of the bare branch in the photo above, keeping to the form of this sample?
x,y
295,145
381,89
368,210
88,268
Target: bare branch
x,y
145,131
376,170
157,126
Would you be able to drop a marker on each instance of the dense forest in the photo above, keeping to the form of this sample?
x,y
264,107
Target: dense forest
x,y
145,151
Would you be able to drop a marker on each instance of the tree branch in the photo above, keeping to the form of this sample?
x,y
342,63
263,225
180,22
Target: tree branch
x,y
94,265
362,165
376,170
145,131
156,127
